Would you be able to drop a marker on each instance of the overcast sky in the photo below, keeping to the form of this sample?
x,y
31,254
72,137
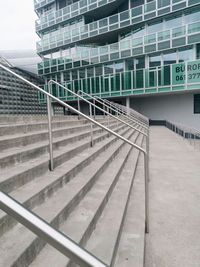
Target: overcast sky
x,y
17,25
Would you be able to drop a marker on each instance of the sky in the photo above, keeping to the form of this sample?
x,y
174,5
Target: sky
x,y
17,25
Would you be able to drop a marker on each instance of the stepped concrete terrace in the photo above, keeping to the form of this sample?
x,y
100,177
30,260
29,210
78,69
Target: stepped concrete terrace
x,y
87,184
95,195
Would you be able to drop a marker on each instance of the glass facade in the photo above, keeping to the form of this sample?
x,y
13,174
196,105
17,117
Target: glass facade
x,y
110,48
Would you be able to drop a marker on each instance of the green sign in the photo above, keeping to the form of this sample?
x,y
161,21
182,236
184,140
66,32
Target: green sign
x,y
188,72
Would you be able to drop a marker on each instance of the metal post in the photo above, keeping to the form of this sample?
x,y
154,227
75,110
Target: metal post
x,y
94,109
104,114
91,127
49,112
79,108
108,120
146,173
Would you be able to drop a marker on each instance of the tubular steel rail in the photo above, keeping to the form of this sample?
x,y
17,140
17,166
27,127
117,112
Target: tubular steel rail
x,y
44,230
110,107
37,225
186,132
95,106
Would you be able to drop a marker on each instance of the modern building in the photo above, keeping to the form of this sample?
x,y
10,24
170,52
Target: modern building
x,y
17,97
141,53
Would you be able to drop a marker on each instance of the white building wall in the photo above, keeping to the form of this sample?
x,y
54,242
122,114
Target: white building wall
x,y
175,108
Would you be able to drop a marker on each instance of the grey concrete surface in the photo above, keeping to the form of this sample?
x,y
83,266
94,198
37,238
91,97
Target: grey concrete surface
x,y
174,239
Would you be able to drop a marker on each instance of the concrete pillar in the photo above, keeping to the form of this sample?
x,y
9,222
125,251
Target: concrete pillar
x,y
128,104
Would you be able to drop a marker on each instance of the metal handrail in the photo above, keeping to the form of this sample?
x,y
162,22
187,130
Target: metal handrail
x,y
103,101
123,110
145,152
92,104
128,109
45,231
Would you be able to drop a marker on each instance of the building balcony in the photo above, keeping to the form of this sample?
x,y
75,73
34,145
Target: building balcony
x,y
165,79
64,37
169,39
139,14
74,10
42,3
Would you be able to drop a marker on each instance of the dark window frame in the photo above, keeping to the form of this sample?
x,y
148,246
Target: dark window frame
x,y
196,103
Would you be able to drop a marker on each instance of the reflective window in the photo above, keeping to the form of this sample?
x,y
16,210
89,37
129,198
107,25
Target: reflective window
x,y
154,61
172,23
90,72
185,55
156,27
108,69
119,67
135,3
140,62
192,17
82,73
198,51
170,58
130,64
98,71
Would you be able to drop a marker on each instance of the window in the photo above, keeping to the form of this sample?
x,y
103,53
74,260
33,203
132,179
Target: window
x,y
197,104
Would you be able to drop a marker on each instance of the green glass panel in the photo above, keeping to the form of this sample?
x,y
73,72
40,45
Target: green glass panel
x,y
139,79
112,81
166,73
93,85
117,82
97,80
127,80
106,84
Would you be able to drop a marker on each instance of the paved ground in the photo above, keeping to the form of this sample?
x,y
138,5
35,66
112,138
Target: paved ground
x,y
174,239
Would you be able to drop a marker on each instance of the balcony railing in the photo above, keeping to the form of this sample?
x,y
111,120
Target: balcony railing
x,y
41,3
140,13
176,37
69,12
162,79
65,36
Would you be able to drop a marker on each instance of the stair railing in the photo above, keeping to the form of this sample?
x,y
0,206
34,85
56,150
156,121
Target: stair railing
x,y
45,231
96,107
132,112
109,106
4,201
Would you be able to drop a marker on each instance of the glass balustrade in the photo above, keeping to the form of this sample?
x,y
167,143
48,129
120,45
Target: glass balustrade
x,y
67,35
137,14
39,4
182,76
136,46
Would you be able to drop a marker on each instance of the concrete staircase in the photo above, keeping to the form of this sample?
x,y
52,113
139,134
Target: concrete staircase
x,y
95,195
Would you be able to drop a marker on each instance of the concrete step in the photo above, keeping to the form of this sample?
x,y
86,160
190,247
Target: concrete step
x,y
12,156
83,219
28,126
24,139
30,194
9,119
22,173
132,242
23,245
104,240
